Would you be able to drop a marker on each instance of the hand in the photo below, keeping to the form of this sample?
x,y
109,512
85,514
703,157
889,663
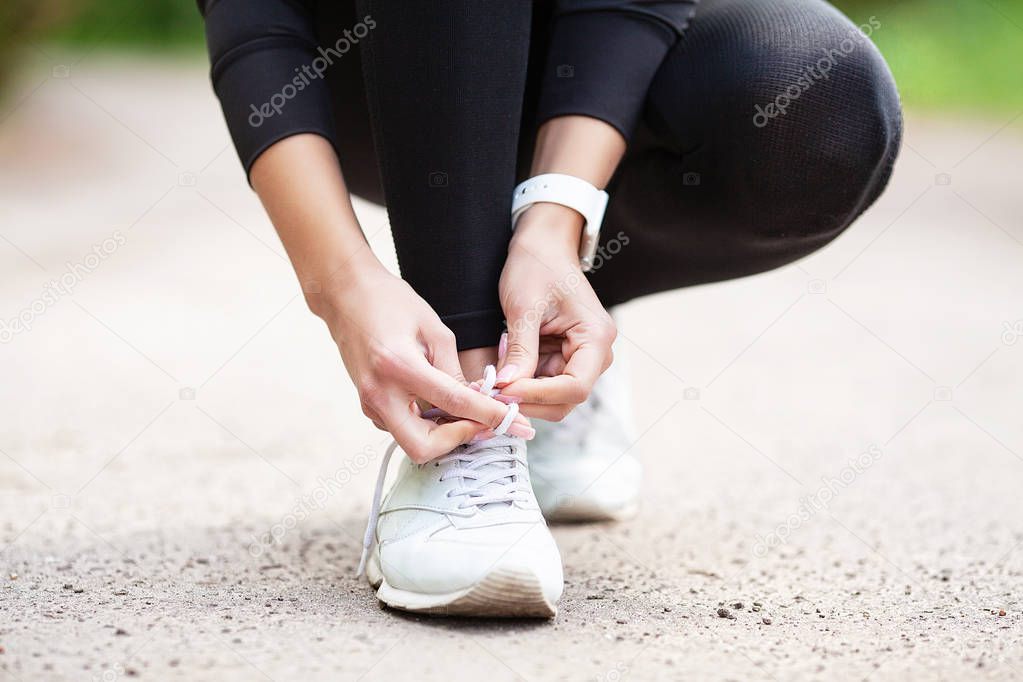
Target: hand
x,y
394,346
396,350
559,335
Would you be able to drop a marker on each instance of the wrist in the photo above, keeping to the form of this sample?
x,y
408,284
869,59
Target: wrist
x,y
331,293
549,229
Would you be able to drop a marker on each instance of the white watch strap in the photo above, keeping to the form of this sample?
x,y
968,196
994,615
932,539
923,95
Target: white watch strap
x,y
570,191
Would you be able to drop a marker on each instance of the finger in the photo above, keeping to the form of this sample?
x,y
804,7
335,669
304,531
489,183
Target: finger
x,y
520,425
442,351
572,387
518,430
447,440
550,365
415,376
455,398
587,362
521,347
423,440
550,413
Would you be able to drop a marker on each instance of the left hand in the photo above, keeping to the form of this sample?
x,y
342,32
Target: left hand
x,y
559,335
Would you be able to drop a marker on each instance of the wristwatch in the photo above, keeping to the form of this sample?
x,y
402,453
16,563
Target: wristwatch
x,y
570,191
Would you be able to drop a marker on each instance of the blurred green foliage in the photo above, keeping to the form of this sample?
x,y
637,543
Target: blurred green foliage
x,y
950,54
944,53
133,23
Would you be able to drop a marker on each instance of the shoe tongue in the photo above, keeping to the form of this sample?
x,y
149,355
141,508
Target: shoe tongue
x,y
504,444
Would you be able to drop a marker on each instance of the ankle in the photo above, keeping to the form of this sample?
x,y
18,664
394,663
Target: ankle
x,y
474,360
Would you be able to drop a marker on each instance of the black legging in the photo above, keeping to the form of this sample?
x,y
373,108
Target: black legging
x,y
767,129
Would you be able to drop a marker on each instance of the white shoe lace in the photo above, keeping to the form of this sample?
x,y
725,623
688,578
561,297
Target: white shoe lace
x,y
491,471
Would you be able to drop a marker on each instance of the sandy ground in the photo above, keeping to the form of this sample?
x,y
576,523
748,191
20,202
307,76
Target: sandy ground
x,y
179,403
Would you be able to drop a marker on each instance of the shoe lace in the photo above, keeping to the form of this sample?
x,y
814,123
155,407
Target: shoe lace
x,y
493,471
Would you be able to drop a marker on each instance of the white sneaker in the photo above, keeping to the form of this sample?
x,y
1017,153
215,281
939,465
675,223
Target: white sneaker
x,y
581,467
463,535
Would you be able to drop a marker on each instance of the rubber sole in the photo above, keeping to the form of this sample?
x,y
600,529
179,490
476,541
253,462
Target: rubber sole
x,y
502,593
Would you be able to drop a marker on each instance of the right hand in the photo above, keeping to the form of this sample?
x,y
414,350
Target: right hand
x,y
397,350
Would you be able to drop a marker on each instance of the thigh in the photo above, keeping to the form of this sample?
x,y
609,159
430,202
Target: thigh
x,y
768,129
353,132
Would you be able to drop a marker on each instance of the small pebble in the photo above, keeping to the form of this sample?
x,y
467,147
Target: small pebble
x,y
737,605
1001,612
121,631
622,622
766,621
725,613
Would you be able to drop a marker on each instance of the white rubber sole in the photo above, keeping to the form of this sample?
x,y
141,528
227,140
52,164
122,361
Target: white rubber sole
x,y
502,593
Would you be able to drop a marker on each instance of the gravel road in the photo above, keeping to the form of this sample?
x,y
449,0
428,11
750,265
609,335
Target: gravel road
x,y
833,449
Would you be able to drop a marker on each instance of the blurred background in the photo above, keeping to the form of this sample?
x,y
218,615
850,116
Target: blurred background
x,y
174,404
946,55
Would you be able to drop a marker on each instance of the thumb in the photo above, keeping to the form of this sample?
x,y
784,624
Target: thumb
x,y
517,352
443,352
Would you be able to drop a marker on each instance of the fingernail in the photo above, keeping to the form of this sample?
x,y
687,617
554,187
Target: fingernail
x,y
502,347
508,399
507,373
520,431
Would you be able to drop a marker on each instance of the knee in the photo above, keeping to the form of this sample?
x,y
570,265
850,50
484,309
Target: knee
x,y
824,126
787,111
